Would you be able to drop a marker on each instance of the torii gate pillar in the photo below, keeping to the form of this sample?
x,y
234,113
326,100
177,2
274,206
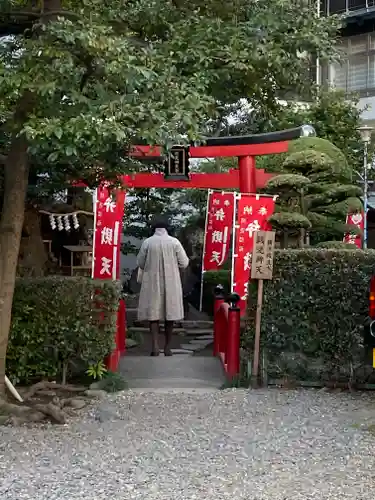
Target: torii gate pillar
x,y
247,177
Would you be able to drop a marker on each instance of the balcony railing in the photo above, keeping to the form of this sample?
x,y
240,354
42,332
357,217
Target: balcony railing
x,y
348,7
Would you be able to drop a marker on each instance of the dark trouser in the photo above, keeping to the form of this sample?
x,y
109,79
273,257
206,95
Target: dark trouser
x,y
155,330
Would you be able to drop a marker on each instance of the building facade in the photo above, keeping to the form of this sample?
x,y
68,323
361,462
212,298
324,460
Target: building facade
x,y
356,73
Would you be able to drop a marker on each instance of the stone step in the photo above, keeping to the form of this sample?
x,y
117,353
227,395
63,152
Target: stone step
x,y
201,346
182,351
129,343
199,332
184,370
201,342
192,347
145,329
184,323
203,332
201,338
197,324
131,301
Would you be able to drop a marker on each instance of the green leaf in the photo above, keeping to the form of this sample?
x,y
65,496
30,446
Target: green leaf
x,y
69,151
58,133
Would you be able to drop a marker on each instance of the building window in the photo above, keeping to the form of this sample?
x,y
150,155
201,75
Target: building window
x,y
328,7
356,73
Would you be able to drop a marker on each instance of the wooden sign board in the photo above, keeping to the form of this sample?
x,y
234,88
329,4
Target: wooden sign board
x,y
263,252
176,166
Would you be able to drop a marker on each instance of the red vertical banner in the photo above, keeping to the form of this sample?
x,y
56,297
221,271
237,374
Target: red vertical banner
x,y
253,212
109,211
218,230
358,221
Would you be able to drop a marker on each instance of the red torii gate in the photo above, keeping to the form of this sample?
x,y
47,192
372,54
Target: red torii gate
x,y
247,179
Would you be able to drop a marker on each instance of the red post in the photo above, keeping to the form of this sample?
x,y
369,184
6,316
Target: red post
x,y
218,300
233,339
113,359
121,327
247,174
223,336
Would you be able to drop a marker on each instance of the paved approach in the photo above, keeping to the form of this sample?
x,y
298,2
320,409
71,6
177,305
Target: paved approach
x,y
176,372
236,444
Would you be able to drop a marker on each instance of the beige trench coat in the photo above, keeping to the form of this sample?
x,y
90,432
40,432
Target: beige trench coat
x,y
161,257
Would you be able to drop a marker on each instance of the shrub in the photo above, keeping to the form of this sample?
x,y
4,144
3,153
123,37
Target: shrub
x,y
57,324
337,244
314,312
211,279
111,382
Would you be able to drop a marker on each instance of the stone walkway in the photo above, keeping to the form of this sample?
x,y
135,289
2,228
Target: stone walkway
x,y
175,372
194,335
210,445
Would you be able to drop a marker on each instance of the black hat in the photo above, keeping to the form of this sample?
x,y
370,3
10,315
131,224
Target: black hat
x,y
159,222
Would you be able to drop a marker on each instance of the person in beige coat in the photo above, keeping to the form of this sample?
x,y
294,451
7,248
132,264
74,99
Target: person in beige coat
x,y
160,258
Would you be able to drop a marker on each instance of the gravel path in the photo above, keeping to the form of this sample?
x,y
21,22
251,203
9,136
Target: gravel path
x,y
237,444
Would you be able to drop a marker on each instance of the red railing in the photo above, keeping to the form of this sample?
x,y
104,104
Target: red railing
x,y
227,331
113,359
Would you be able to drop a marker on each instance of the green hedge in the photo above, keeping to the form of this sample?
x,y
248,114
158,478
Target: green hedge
x,y
211,279
56,327
313,316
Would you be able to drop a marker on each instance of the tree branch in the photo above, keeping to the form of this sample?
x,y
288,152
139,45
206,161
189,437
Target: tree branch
x,y
22,20
38,15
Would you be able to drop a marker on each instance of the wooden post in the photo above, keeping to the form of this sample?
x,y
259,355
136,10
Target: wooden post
x,y
264,368
261,269
255,370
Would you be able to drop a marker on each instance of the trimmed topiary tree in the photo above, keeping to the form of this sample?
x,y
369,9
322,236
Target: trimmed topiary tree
x,y
315,193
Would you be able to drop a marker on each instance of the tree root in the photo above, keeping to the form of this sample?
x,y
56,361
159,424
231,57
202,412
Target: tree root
x,y
52,411
46,385
20,414
31,411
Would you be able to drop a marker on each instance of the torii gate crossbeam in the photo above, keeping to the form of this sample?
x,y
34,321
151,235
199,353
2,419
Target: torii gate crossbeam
x,y
247,179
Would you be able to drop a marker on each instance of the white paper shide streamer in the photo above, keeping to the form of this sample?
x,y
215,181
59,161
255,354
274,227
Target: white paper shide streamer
x,y
60,225
67,223
62,222
75,221
52,222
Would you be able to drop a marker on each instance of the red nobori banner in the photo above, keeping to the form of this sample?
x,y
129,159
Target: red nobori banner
x,y
109,211
219,223
253,212
355,220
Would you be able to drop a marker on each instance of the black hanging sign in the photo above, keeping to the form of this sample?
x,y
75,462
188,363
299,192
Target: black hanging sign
x,y
176,166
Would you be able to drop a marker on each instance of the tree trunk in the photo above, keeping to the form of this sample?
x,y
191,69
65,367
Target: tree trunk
x,y
32,257
302,238
12,215
16,170
285,239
